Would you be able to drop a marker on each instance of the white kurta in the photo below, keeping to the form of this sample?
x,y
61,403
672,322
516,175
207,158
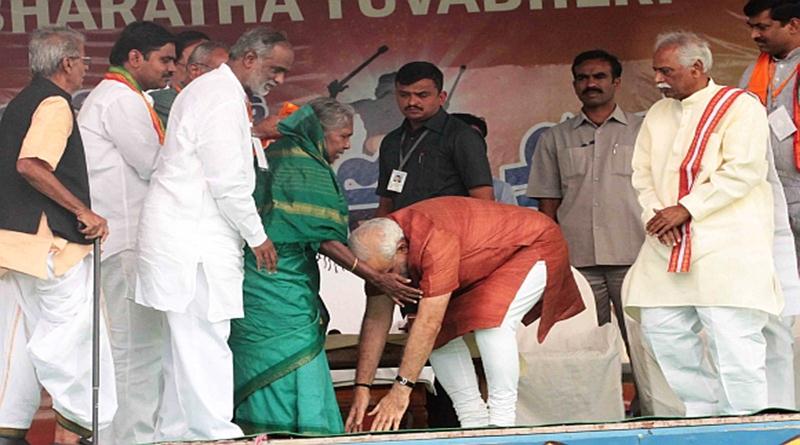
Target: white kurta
x,y
730,204
121,146
199,206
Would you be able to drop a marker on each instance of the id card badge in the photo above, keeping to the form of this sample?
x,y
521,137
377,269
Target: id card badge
x,y
781,123
397,180
261,157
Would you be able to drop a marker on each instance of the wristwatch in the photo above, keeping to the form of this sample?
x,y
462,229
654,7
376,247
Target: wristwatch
x,y
404,381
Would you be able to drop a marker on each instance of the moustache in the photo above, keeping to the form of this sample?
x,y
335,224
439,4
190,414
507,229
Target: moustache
x,y
413,108
589,90
663,86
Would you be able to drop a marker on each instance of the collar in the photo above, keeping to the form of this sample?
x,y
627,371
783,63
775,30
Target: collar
x,y
435,123
793,54
701,96
618,115
125,74
226,71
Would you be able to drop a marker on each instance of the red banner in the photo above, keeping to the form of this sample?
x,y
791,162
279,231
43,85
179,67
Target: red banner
x,y
517,54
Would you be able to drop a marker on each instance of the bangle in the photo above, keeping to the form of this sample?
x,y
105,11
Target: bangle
x,y
365,385
355,264
404,381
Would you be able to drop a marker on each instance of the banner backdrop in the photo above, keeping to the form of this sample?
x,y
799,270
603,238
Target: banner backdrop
x,y
514,56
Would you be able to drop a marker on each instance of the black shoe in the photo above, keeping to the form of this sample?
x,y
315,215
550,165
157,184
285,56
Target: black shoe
x,y
13,441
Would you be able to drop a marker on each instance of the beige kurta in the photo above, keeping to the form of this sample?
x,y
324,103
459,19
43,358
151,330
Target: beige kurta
x,y
730,204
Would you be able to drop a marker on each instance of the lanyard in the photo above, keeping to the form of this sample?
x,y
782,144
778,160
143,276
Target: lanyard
x,y
404,159
777,91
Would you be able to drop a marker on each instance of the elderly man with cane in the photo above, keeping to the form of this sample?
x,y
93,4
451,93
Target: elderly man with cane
x,y
46,231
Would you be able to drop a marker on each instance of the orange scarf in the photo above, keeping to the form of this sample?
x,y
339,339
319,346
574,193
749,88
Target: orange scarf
x,y
761,85
121,75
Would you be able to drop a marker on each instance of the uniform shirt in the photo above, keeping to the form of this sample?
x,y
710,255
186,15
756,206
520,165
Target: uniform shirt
x,y
466,247
448,161
730,206
121,147
588,167
46,140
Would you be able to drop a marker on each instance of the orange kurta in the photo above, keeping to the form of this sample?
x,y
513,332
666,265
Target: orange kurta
x,y
482,251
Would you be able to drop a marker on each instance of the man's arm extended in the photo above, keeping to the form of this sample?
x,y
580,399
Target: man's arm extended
x,y
421,339
372,339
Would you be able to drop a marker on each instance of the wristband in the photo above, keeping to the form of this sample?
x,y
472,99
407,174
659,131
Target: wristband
x,y
404,381
365,385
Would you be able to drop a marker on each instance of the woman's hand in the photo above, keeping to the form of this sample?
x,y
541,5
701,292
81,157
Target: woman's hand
x,y
396,287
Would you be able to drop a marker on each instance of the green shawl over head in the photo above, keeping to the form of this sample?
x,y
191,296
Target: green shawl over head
x,y
299,197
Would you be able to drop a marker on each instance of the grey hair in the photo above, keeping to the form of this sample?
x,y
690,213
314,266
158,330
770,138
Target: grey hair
x,y
260,40
385,231
49,46
331,113
691,48
203,51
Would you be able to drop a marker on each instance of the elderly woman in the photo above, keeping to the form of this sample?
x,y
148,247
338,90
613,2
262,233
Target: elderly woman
x,y
281,373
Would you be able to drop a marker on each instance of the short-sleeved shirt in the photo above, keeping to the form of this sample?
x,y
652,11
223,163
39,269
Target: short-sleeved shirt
x,y
46,140
464,246
449,160
589,168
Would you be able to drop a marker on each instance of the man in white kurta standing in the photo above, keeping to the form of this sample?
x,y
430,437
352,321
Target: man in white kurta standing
x,y
122,136
198,213
699,169
775,28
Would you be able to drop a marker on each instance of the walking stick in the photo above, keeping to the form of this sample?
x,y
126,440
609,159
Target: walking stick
x,y
96,344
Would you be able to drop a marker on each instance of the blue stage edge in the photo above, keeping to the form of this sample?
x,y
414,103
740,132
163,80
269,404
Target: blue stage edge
x,y
767,429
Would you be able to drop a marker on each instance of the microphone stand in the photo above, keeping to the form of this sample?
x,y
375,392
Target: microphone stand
x,y
337,86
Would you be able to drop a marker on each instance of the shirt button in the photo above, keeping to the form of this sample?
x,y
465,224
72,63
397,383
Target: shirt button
x,y
596,179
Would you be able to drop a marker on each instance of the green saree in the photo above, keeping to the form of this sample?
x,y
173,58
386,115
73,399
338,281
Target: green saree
x,y
281,376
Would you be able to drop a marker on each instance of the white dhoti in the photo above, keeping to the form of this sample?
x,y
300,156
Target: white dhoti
x,y
736,346
136,344
453,365
19,389
58,313
198,374
778,331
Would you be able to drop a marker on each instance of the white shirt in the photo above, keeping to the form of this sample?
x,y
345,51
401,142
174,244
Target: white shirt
x,y
730,205
199,207
121,145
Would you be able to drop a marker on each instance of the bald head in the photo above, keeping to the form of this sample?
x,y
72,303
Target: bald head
x,y
376,242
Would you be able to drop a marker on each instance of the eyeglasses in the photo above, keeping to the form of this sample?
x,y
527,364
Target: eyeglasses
x,y
85,59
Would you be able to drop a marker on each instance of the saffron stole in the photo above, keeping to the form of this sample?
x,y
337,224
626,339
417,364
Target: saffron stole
x,y
680,259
